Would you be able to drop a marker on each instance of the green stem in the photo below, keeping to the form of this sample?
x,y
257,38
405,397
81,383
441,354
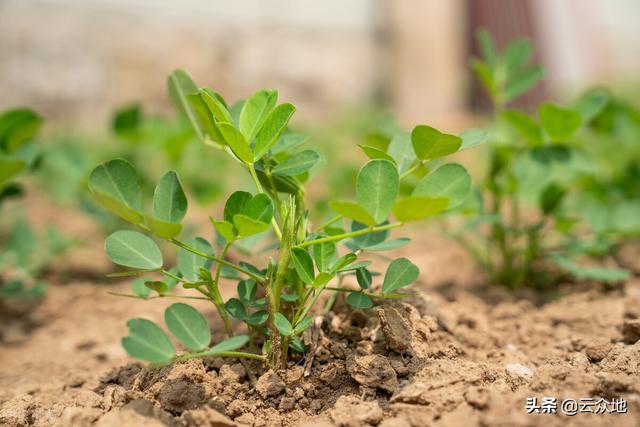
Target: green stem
x,y
330,222
217,297
186,247
118,294
274,223
412,169
348,235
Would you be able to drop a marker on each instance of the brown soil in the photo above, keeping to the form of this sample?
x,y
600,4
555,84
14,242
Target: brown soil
x,y
452,356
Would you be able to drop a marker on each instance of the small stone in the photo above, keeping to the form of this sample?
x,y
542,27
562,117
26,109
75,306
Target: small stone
x,y
287,403
349,411
597,350
373,371
206,417
631,331
518,370
270,384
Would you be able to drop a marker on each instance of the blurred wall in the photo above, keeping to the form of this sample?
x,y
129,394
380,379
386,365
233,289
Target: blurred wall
x,y
78,59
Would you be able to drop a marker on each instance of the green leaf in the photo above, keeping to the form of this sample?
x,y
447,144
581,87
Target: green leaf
x,y
181,85
581,272
258,318
401,150
230,344
551,198
352,267
559,123
364,278
429,143
17,127
146,341
248,226
235,204
238,143
247,290
324,254
592,103
133,249
296,344
216,105
156,285
189,264
377,186
368,239
303,264
522,82
343,262
297,164
204,117
353,211
517,53
139,288
322,279
375,153
418,207
388,245
302,325
287,142
166,230
487,47
523,124
9,168
169,201
235,307
359,300
473,137
451,181
283,325
400,273
116,186
255,111
259,207
272,128
188,325
225,229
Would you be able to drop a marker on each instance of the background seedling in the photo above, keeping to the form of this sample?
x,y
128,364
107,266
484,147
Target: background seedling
x,y
527,233
306,260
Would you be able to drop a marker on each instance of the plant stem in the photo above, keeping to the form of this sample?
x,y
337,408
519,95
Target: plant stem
x,y
330,222
274,223
217,297
412,169
348,235
119,294
186,247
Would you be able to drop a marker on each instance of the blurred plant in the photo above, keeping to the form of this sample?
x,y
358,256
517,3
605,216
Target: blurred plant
x,y
24,255
307,262
531,160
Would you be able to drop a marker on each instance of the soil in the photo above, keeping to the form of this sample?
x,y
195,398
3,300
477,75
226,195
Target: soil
x,y
456,354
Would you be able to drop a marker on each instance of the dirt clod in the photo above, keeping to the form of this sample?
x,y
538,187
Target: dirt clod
x,y
396,328
206,417
349,411
373,371
631,331
597,349
270,384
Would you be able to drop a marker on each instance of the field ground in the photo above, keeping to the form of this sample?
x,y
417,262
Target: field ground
x,y
455,355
